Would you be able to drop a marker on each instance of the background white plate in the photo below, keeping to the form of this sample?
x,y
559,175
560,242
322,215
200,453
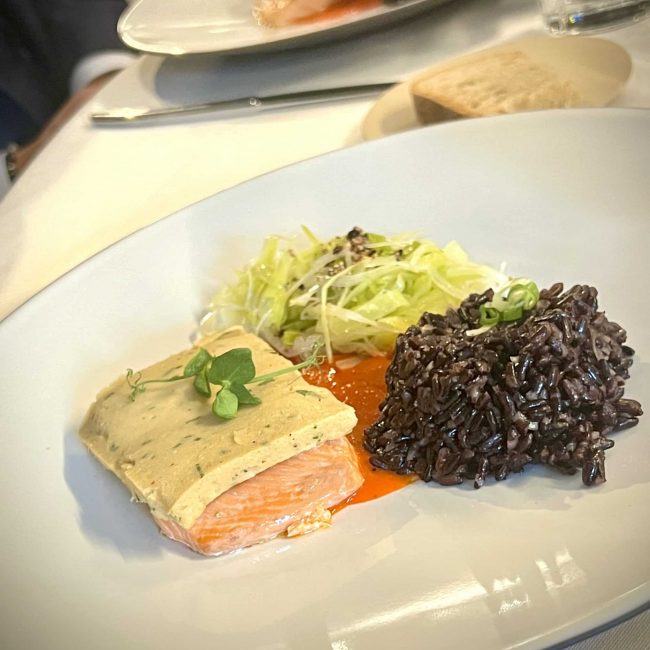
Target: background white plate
x,y
228,26
521,564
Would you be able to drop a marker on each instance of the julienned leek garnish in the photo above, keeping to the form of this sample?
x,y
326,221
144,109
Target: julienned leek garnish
x,y
231,370
350,294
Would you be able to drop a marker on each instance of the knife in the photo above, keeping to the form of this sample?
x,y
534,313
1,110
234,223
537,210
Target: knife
x,y
129,115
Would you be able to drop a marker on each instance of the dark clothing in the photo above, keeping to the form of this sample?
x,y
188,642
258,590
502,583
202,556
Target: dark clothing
x,y
40,43
15,124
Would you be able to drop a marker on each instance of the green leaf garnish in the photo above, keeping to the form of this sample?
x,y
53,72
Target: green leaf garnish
x,y
202,385
230,370
244,395
225,404
233,367
197,363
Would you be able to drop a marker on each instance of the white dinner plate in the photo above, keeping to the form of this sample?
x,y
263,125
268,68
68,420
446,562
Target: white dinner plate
x,y
229,27
526,563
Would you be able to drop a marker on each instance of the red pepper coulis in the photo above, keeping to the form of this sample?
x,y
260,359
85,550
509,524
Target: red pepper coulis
x,y
338,10
363,387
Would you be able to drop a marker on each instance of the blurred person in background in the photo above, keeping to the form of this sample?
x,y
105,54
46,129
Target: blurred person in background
x,y
54,56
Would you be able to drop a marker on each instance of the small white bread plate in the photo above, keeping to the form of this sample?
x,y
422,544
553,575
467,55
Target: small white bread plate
x,y
229,27
597,68
525,564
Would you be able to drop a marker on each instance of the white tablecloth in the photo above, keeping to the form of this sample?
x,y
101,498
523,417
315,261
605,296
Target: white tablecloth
x,y
92,186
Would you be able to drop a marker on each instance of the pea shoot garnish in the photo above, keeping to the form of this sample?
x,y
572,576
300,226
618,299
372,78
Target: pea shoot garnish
x,y
232,371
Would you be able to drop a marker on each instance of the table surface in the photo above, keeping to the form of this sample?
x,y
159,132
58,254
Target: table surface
x,y
93,186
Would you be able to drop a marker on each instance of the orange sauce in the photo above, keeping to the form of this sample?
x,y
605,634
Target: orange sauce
x,y
363,387
338,10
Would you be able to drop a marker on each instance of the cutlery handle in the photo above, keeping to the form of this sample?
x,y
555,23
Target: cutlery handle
x,y
286,100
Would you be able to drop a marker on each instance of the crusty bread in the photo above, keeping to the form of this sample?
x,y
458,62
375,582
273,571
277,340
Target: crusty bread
x,y
505,81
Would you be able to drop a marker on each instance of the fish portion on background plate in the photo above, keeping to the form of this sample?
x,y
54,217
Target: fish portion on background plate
x,y
283,13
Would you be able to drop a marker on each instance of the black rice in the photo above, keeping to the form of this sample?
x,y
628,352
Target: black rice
x,y
547,388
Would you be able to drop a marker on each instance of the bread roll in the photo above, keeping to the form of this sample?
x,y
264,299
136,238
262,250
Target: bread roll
x,y
491,83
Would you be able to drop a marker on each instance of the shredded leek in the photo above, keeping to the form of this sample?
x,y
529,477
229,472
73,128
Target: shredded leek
x,y
354,293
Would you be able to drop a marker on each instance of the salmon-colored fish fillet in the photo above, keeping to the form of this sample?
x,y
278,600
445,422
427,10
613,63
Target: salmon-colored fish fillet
x,y
292,497
280,13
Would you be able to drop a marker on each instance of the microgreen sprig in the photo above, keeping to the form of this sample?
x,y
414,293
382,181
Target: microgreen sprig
x,y
231,370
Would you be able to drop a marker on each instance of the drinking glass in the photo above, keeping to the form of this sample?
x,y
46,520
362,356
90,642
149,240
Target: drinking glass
x,y
577,16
